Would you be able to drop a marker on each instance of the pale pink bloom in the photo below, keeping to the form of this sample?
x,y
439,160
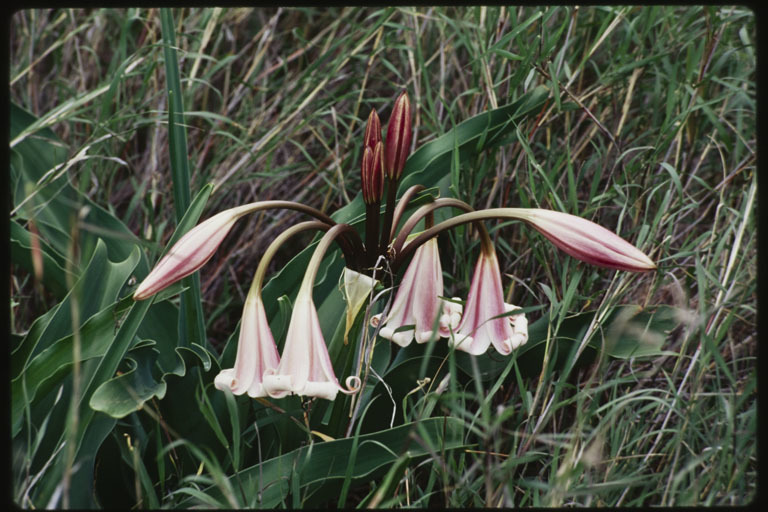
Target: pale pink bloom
x,y
586,240
417,302
256,352
479,328
190,253
305,367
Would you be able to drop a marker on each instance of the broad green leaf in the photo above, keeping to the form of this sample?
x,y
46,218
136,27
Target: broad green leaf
x,y
41,190
54,268
151,362
93,427
629,332
126,392
327,462
50,367
432,161
98,287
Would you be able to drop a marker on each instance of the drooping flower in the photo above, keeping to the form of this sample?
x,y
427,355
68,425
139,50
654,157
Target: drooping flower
x,y
417,302
398,143
256,352
305,367
190,253
480,324
586,240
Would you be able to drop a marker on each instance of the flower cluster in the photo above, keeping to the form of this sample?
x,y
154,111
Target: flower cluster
x,y
418,311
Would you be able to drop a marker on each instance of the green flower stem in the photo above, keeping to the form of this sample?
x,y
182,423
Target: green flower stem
x,y
351,244
261,270
473,216
317,256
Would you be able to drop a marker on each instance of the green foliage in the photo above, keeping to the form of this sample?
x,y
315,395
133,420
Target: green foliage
x,y
128,126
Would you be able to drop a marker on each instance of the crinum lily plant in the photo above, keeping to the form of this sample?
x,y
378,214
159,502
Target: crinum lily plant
x,y
418,311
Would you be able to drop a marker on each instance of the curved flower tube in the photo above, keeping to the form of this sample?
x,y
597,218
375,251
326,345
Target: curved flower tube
x,y
417,302
480,324
305,367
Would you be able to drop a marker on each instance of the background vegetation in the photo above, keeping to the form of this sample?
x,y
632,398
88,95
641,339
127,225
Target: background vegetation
x,y
643,121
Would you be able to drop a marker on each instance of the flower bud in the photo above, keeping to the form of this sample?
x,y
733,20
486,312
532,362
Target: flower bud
x,y
190,253
372,130
398,137
586,240
373,176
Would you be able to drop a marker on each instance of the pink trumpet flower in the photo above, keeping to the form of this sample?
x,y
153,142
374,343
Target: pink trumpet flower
x,y
418,302
479,327
305,368
256,352
586,240
191,252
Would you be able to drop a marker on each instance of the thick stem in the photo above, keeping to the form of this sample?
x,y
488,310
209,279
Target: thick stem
x,y
372,218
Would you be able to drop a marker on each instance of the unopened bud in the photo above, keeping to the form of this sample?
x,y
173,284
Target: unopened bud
x,y
398,137
372,130
587,241
190,253
372,174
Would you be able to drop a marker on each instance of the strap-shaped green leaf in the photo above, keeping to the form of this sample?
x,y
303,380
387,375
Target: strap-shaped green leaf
x,y
328,461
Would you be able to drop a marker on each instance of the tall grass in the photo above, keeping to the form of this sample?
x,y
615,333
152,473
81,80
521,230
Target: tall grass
x,y
649,130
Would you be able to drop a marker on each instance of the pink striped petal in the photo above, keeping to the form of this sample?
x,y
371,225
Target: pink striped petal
x,y
479,329
305,367
256,353
586,240
417,301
